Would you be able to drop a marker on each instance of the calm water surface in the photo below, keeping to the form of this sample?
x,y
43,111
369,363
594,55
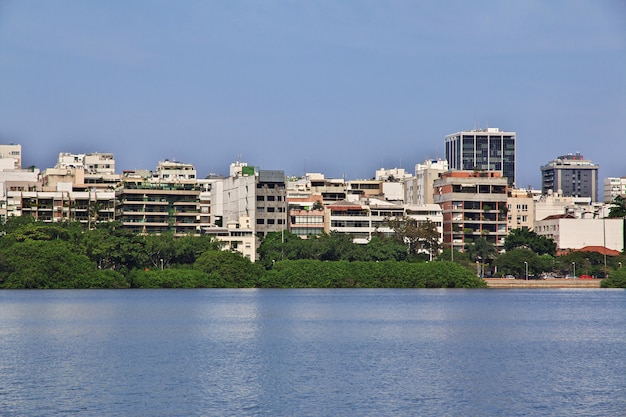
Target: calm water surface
x,y
313,353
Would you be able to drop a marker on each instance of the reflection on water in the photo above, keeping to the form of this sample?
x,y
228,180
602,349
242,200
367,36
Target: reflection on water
x,y
313,352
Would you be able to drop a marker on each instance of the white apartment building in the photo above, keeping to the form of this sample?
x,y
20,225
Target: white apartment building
x,y
13,154
367,218
83,172
552,204
87,207
570,233
612,187
393,174
174,172
419,189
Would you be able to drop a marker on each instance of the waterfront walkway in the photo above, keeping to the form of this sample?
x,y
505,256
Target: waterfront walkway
x,y
542,283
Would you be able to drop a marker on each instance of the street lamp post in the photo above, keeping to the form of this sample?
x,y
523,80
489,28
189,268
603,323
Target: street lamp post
x,y
161,264
526,267
574,269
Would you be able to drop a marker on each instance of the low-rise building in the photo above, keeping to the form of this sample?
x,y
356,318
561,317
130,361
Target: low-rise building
x,y
571,233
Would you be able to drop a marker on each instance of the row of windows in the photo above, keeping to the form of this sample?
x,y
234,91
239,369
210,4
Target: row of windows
x,y
261,209
305,231
519,207
269,221
307,219
349,223
269,198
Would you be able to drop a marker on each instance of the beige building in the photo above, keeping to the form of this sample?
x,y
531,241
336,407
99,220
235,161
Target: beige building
x,y
520,209
11,154
419,190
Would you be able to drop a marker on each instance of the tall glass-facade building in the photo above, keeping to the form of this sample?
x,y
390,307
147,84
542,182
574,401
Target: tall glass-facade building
x,y
486,149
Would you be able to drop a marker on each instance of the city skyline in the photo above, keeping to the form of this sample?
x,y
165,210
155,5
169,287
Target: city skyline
x,y
331,87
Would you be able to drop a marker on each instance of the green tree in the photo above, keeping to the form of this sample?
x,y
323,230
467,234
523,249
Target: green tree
x,y
160,249
482,251
616,279
513,263
52,264
618,207
524,238
228,269
112,247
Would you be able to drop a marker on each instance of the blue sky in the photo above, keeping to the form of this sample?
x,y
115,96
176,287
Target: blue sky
x,y
338,87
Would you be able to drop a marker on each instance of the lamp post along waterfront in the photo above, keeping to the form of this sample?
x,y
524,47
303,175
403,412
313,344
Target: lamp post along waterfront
x,y
526,268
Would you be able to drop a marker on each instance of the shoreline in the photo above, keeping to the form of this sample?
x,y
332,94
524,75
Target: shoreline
x,y
542,283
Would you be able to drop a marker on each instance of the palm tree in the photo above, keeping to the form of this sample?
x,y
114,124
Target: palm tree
x,y
481,250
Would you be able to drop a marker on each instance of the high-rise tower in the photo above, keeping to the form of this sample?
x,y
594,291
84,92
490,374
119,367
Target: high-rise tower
x,y
487,149
572,175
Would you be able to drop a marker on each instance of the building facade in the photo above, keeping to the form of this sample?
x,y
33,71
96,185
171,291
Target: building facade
x,y
612,188
419,190
474,205
520,209
13,154
167,201
571,233
487,149
571,175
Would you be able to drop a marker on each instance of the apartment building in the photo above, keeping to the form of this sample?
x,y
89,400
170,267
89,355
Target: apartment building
x,y
370,217
271,202
306,214
166,201
572,176
474,205
555,203
613,187
259,195
487,149
365,188
349,218
11,154
419,190
520,209
83,172
331,189
87,207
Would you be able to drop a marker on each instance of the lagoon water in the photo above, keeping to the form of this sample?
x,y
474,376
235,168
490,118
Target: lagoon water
x,y
313,353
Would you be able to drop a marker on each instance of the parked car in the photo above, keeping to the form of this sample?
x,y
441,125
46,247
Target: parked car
x,y
586,277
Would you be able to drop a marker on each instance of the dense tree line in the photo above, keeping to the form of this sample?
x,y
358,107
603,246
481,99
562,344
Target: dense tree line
x,y
65,255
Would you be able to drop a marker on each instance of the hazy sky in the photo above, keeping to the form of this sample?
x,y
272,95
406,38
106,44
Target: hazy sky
x,y
338,87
